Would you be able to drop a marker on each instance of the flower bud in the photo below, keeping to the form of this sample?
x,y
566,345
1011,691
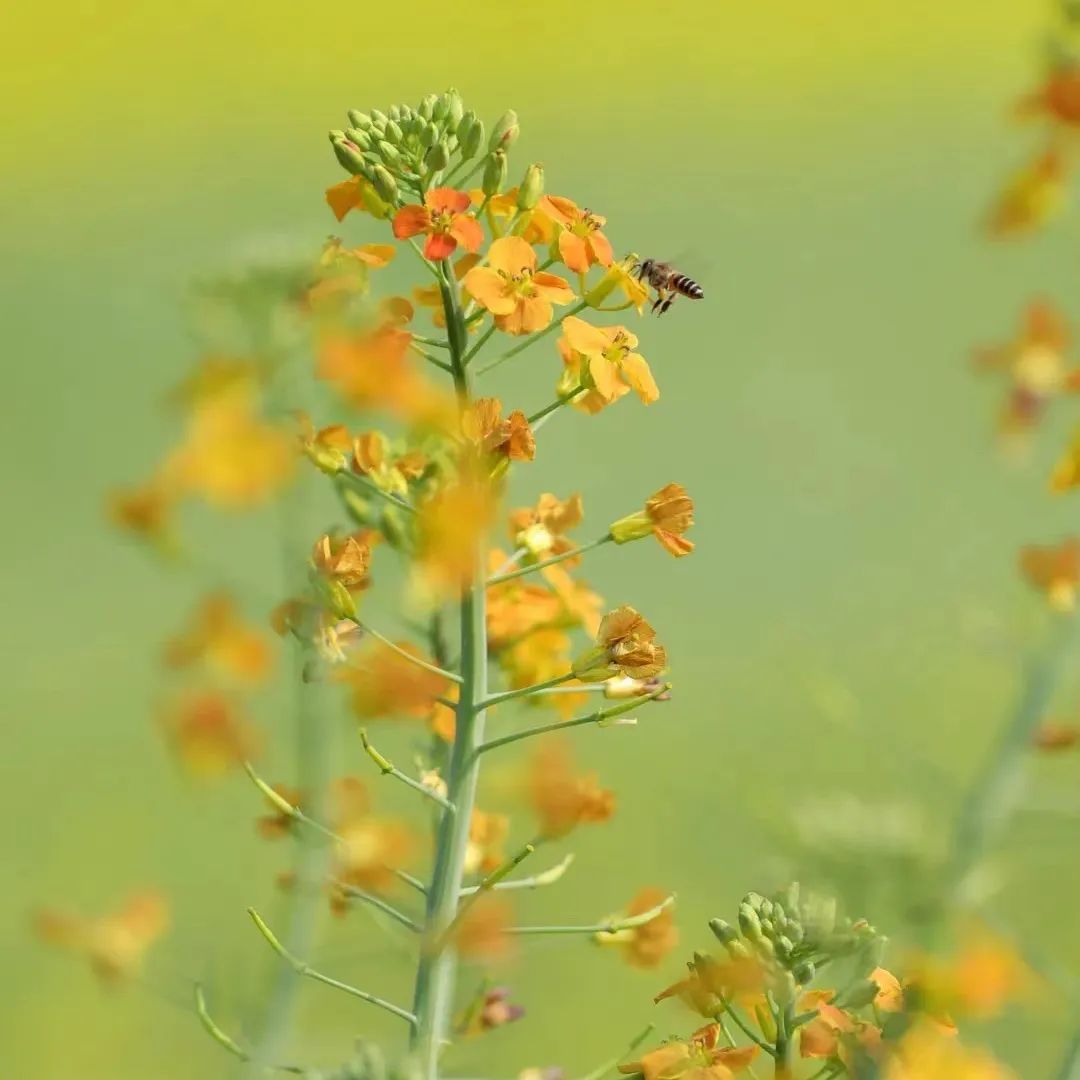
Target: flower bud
x,y
749,922
348,155
724,932
506,131
784,947
394,134
785,988
790,897
378,119
860,995
531,188
358,138
473,140
341,601
804,972
389,153
441,108
438,157
427,107
455,111
359,508
359,119
494,173
326,458
429,134
393,528
385,184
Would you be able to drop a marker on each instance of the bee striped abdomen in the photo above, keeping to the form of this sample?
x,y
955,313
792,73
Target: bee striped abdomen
x,y
687,286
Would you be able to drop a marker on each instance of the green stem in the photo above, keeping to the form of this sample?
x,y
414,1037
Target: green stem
x,y
302,968
592,718
477,345
433,994
603,1070
378,903
437,343
409,656
536,688
533,567
431,359
1070,1065
611,926
536,881
744,1027
538,417
371,488
388,768
225,1040
785,1030
532,338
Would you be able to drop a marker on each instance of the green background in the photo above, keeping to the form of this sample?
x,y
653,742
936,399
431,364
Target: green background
x,y
850,622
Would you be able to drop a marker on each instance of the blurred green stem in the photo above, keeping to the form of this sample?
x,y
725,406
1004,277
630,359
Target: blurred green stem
x,y
1070,1066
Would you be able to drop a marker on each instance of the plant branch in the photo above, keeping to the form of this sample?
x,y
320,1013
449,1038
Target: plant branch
x,y
611,926
538,418
223,1039
498,579
602,1070
744,1027
388,768
597,717
480,342
531,339
371,488
408,655
545,877
302,968
378,903
509,695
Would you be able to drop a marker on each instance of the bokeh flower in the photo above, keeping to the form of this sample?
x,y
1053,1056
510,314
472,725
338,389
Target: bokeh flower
x,y
383,683
1030,197
561,798
647,945
209,733
488,834
490,434
698,1058
541,529
1055,570
220,638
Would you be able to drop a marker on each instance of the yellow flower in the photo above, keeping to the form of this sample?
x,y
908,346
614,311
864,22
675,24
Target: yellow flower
x,y
581,242
580,605
230,455
647,945
541,529
448,527
384,683
219,637
209,734
562,799
369,849
667,516
343,563
515,608
115,944
483,427
356,193
625,645
619,276
537,657
698,1058
1054,570
602,359
146,512
925,1053
488,834
513,290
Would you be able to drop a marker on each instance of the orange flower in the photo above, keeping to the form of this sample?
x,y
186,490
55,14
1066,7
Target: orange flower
x,y
481,933
561,799
644,946
602,360
356,193
742,980
146,512
442,721
667,515
114,944
1030,198
925,1053
389,472
1066,473
327,447
513,290
487,836
443,219
1053,737
375,256
430,296
371,370
1058,98
538,657
541,528
517,607
368,850
342,272
822,1037
230,455
580,605
581,243
449,525
384,683
890,995
221,638
344,561
698,1058
1054,570
483,426
625,644
209,734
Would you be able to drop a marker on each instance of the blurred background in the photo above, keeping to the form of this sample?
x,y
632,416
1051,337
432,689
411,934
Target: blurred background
x,y
847,638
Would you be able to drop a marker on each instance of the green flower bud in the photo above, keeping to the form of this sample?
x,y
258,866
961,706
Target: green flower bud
x,y
394,112
359,138
767,928
441,108
779,915
754,900
465,125
438,157
385,184
765,947
341,601
394,133
803,973
737,950
531,188
393,528
455,111
506,131
473,140
784,947
793,930
749,922
359,508
390,154
860,995
427,107
494,173
378,119
765,908
723,931
348,155
359,119
429,134
785,988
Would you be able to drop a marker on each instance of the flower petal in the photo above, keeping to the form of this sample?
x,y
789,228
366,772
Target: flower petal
x,y
439,245
637,373
447,198
601,248
411,220
375,255
346,196
553,287
488,288
468,232
511,254
573,252
584,338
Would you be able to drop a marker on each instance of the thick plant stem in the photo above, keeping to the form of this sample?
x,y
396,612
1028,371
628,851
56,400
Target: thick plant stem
x,y
435,979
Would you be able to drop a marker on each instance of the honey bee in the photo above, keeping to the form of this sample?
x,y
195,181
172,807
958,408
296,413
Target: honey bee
x,y
668,283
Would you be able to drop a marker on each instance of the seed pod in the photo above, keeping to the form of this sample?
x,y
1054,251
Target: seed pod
x,y
385,184
494,173
506,131
471,142
393,528
531,188
348,155
359,508
438,157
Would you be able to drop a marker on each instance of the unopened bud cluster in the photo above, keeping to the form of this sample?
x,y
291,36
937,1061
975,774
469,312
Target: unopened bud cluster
x,y
413,146
794,935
